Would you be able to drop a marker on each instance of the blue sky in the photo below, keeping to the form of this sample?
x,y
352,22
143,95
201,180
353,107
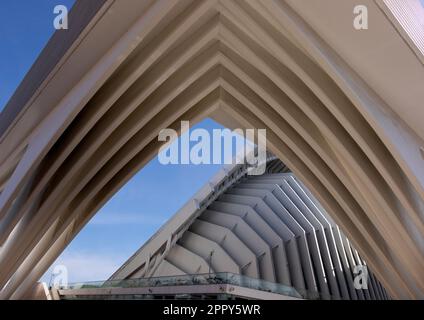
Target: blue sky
x,y
132,215
25,28
138,209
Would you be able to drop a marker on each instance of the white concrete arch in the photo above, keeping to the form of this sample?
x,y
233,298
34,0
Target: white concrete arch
x,y
138,67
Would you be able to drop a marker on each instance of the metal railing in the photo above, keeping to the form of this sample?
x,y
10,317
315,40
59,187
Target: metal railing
x,y
191,279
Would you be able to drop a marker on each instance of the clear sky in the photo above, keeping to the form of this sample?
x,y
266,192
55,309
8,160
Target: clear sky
x,y
152,196
25,28
138,209
135,213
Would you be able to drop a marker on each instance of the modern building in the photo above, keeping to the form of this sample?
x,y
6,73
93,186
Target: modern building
x,y
241,236
342,107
